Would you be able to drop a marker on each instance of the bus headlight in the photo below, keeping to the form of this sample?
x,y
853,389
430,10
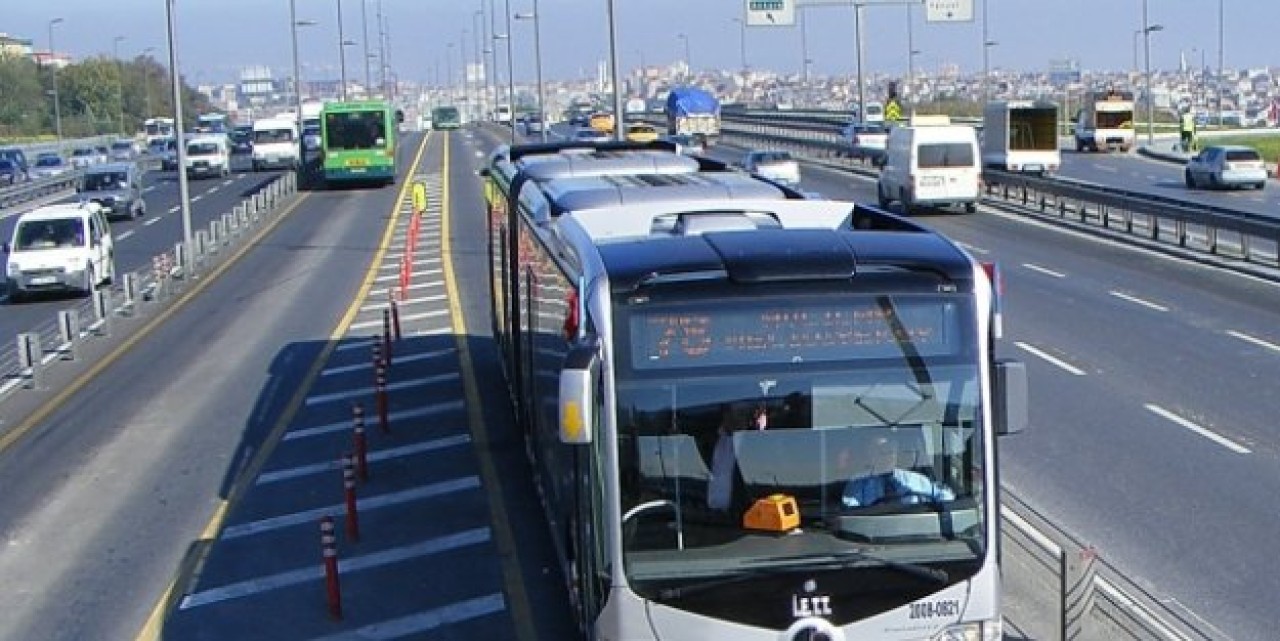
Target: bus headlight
x,y
975,631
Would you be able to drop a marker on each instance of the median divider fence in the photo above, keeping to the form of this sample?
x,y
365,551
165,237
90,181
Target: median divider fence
x,y
135,295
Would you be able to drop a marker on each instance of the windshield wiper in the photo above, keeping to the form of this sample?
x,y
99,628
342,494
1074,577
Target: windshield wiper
x,y
845,558
820,559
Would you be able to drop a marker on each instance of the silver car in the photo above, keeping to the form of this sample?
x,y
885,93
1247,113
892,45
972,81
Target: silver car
x,y
1226,166
779,166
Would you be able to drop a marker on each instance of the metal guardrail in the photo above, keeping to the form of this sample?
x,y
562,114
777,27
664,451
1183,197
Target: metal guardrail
x,y
136,294
1073,592
40,187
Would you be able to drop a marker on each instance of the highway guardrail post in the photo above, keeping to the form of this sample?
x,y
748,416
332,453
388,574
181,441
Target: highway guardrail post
x,y
31,357
102,311
1077,576
69,331
214,240
229,224
180,261
131,290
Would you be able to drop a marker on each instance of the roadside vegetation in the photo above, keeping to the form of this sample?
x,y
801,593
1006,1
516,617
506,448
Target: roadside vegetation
x,y
93,94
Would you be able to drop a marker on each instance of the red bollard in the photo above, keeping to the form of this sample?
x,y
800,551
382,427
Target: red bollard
x,y
386,335
361,446
395,314
349,491
328,547
380,387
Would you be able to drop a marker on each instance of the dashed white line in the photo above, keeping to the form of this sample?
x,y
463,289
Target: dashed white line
x,y
151,222
318,399
197,198
125,235
973,249
1256,341
1044,270
1138,301
414,625
1049,358
1198,429
374,457
352,564
174,209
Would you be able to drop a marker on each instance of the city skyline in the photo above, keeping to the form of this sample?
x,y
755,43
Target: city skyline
x,y
425,37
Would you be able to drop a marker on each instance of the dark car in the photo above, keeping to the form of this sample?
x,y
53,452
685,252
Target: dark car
x,y
10,173
19,159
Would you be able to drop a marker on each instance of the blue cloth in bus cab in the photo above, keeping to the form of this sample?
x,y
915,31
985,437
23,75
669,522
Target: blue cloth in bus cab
x,y
899,486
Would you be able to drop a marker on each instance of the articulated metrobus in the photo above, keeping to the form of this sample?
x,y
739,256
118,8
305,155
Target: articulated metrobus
x,y
751,416
358,142
446,117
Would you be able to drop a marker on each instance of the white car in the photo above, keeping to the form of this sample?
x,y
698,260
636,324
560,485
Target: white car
x,y
63,247
778,166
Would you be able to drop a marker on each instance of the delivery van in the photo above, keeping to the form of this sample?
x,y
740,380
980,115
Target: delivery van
x,y
931,162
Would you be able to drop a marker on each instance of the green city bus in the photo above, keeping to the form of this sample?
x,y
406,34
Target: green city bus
x,y
446,117
358,141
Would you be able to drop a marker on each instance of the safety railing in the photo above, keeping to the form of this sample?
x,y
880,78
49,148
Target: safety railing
x,y
40,187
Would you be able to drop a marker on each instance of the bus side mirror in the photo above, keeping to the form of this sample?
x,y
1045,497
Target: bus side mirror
x,y
577,394
1009,397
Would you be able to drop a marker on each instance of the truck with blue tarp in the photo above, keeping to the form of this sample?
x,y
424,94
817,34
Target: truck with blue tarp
x,y
693,112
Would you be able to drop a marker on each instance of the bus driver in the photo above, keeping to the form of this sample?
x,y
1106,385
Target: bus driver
x,y
885,482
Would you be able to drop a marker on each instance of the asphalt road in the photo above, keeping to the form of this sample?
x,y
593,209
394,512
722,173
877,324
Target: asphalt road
x,y
1152,431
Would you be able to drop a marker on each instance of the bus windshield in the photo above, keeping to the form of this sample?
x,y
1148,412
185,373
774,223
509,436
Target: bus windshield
x,y
355,130
863,409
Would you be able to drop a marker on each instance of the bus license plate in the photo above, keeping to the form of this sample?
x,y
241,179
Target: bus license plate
x,y
43,280
931,181
357,162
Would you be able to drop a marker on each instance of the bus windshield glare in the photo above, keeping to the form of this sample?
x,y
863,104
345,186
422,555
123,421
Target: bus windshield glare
x,y
863,408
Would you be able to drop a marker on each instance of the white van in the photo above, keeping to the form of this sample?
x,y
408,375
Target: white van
x,y
63,247
208,155
275,144
931,162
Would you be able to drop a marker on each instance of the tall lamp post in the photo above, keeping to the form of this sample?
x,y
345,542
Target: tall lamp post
x,y
537,58
364,26
742,41
1147,28
342,53
115,53
294,23
804,48
1221,32
53,70
986,71
511,67
184,190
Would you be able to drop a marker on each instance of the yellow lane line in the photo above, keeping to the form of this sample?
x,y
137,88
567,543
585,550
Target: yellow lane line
x,y
517,597
152,630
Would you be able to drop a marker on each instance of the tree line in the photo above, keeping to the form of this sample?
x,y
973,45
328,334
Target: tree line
x,y
96,96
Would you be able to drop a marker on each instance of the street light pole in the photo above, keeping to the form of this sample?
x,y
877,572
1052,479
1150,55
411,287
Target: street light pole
x,y
857,28
115,53
537,57
618,133
342,53
911,51
688,60
1147,28
511,70
986,56
742,41
364,26
184,191
804,47
53,68
1221,32
294,23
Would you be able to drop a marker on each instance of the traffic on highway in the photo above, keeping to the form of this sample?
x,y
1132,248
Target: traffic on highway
x,y
686,354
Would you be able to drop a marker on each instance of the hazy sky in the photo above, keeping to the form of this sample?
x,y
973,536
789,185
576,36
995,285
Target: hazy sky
x,y
219,37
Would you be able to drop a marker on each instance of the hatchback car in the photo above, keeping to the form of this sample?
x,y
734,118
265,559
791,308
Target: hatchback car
x,y
49,164
1226,166
116,188
122,151
775,165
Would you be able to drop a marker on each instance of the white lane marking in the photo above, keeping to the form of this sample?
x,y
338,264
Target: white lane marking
x,y
403,319
1044,270
393,417
1256,341
414,625
357,344
174,209
151,222
1105,168
227,183
424,272
197,198
366,503
1138,301
125,235
1053,360
973,249
391,387
1202,431
352,564
380,455
423,356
